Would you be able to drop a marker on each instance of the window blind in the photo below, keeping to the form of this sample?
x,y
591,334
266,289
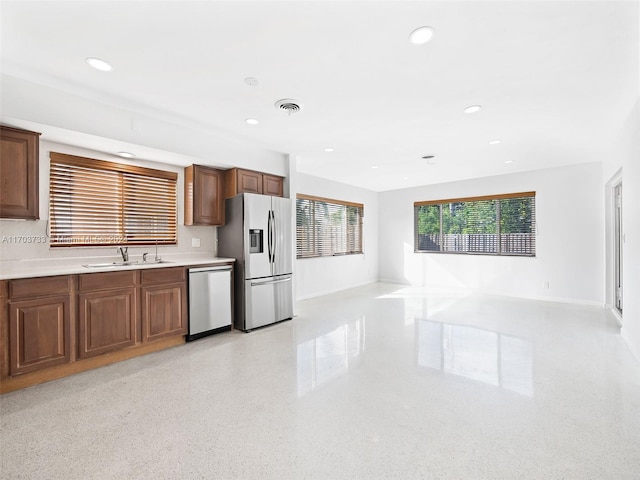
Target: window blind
x,y
496,225
94,202
326,227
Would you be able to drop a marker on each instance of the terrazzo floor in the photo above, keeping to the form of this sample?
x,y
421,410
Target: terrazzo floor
x,y
378,382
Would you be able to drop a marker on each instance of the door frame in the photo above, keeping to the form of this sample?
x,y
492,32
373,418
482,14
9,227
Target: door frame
x,y
613,241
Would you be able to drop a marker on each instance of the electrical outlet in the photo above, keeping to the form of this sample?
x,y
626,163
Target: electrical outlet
x,y
195,242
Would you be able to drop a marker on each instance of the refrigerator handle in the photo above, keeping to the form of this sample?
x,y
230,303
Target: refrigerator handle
x,y
270,236
275,235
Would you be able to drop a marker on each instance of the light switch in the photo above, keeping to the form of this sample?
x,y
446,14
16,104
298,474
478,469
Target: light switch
x,y
195,242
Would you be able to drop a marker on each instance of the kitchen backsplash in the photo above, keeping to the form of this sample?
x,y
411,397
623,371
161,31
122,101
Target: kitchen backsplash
x,y
27,239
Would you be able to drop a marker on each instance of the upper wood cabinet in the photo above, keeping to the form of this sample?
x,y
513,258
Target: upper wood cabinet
x,y
272,185
238,180
203,196
19,160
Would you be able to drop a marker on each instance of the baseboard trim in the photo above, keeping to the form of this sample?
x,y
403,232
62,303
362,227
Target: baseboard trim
x,y
480,291
35,378
614,313
630,345
329,292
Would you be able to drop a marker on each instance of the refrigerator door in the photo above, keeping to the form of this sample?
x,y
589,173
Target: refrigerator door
x,y
257,224
282,237
267,301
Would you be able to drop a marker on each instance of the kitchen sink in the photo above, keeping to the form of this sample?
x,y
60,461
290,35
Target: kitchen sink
x,y
112,264
124,264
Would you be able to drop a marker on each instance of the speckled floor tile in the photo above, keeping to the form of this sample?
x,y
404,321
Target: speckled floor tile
x,y
378,382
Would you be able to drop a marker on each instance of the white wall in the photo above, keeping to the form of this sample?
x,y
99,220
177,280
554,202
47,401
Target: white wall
x,y
136,125
569,244
318,276
10,249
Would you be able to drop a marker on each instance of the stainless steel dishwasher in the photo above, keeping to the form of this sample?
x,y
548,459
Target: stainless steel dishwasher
x,y
209,301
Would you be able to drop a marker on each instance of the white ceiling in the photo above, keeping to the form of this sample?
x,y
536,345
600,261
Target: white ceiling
x,y
555,79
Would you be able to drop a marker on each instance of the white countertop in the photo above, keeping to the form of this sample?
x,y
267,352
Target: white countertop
x,y
39,267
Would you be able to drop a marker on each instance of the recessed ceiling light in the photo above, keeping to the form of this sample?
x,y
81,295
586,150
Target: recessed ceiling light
x,y
126,154
374,166
508,161
421,35
472,109
328,149
99,64
251,121
494,142
405,178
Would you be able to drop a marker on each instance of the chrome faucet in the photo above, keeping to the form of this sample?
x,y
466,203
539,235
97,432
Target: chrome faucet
x,y
124,252
158,258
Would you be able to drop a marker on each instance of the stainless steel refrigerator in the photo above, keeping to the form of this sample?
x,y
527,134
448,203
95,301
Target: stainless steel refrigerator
x,y
257,234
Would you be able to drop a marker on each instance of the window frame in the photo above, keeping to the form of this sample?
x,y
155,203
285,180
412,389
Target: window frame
x,y
129,209
331,201
498,240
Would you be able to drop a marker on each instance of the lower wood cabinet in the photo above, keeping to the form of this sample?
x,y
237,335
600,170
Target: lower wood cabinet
x,y
163,303
162,311
106,321
39,331
107,316
39,323
51,327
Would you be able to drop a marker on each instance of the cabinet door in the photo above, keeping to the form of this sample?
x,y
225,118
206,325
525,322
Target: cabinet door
x,y
19,173
208,201
39,334
249,182
272,185
203,196
106,321
163,311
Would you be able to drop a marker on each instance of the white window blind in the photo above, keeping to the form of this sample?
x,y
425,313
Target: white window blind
x,y
326,227
94,202
495,224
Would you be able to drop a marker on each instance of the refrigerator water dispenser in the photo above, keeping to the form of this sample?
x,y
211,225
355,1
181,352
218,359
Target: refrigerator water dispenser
x,y
255,241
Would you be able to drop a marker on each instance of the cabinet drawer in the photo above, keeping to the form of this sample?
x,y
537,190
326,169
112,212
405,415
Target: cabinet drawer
x,y
162,275
39,287
106,280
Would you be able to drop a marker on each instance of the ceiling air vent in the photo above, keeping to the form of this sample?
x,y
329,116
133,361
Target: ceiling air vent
x,y
288,105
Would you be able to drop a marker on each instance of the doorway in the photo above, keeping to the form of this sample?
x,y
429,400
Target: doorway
x,y
618,242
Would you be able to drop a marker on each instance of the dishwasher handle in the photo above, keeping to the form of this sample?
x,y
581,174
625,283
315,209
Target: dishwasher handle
x,y
211,269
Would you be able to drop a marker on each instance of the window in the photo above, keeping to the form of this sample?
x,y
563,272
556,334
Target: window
x,y
495,225
93,202
327,227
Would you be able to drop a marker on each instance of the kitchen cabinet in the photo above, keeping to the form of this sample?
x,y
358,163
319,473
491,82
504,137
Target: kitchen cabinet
x,y
203,196
4,328
39,323
272,185
19,161
107,315
238,180
52,327
163,302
